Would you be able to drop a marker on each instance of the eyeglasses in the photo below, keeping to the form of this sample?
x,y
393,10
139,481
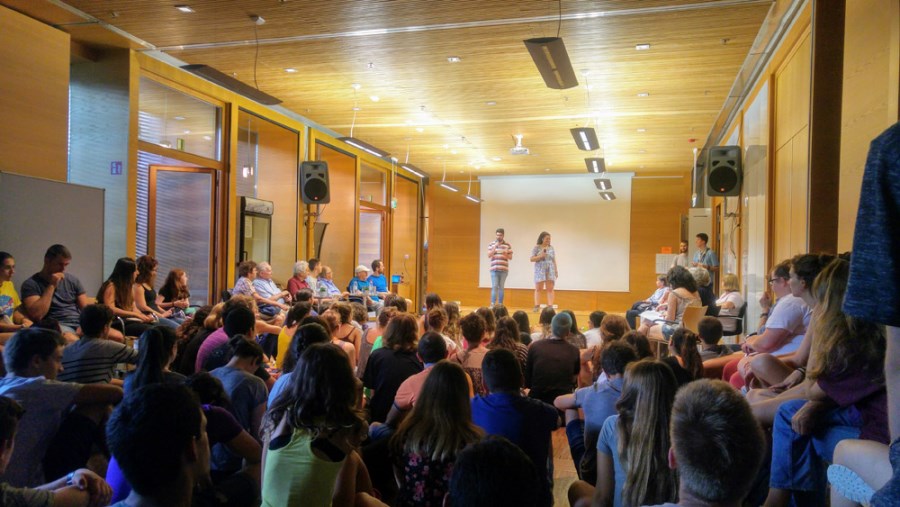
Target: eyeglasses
x,y
772,280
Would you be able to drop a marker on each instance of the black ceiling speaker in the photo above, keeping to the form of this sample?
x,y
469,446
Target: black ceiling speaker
x,y
724,171
314,183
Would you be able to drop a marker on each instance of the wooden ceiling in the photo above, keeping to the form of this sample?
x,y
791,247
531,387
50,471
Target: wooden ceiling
x,y
464,115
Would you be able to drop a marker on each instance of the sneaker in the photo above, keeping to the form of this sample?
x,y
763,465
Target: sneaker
x,y
536,309
850,485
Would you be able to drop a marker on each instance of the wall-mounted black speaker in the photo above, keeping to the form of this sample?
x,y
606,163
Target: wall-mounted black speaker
x,y
314,183
724,171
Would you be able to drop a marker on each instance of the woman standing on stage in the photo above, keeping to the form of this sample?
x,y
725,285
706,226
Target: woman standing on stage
x,y
545,271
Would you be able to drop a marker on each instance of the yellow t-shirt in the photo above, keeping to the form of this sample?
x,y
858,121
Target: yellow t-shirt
x,y
284,342
9,299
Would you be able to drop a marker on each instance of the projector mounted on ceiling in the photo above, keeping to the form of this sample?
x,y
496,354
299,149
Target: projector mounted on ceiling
x,y
518,149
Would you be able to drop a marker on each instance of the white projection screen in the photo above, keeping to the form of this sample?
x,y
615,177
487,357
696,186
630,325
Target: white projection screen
x,y
591,236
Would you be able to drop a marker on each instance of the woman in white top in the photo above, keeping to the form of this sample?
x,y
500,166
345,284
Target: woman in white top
x,y
730,302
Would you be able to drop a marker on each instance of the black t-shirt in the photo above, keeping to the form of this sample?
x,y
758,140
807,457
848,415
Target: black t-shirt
x,y
682,376
188,357
551,366
385,371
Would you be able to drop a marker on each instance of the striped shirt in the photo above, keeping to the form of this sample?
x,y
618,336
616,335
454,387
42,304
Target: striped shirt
x,y
501,255
93,360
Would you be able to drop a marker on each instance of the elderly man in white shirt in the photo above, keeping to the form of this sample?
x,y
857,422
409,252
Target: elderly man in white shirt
x,y
267,289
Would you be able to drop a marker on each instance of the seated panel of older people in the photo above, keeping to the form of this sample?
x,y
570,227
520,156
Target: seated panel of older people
x,y
730,302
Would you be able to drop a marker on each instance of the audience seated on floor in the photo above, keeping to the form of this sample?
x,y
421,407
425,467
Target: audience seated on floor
x,y
633,447
492,472
717,447
373,338
471,356
202,325
94,357
298,312
544,321
426,444
248,395
506,336
158,437
524,323
333,319
345,332
33,359
553,364
526,422
390,365
575,336
683,357
640,343
597,401
82,488
431,349
157,350
592,335
311,436
306,335
709,330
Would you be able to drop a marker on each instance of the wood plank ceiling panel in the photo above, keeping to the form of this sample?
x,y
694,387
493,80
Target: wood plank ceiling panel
x,y
463,115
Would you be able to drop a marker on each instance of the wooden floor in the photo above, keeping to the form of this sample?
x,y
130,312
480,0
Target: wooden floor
x,y
564,472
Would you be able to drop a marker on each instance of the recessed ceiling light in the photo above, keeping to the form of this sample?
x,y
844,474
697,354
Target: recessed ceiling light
x,y
290,70
184,8
207,138
375,98
355,86
643,94
453,152
420,129
491,103
356,109
589,87
642,47
187,131
179,118
454,59
370,65
446,146
496,159
547,169
641,130
642,151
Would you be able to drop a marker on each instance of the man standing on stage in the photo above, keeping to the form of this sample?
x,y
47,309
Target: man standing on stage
x,y
500,253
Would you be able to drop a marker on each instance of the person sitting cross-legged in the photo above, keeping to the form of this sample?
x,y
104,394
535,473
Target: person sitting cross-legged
x,y
553,363
492,472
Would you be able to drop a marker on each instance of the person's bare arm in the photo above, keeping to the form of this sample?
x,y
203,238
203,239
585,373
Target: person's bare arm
x,y
87,490
91,394
38,306
395,417
771,340
249,449
671,306
606,481
565,402
256,419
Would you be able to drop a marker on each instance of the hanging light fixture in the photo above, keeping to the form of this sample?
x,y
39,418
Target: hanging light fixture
x,y
595,164
444,179
411,168
469,195
358,143
552,59
608,196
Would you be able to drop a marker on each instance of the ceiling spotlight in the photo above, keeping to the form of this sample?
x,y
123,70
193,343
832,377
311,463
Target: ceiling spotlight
x,y
643,94
420,129
290,70
642,47
552,60
184,8
641,130
608,196
364,146
374,98
603,183
178,118
355,86
595,164
491,103
454,59
496,159
585,138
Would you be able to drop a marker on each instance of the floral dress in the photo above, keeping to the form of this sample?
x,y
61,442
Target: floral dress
x,y
544,269
424,481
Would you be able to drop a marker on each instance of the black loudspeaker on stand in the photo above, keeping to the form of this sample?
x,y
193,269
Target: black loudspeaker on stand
x,y
314,183
724,166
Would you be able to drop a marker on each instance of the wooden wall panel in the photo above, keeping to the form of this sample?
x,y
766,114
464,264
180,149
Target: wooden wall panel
x,y
799,192
339,244
34,97
277,182
453,254
404,237
871,80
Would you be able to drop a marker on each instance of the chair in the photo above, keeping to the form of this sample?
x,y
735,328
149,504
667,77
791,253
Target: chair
x,y
689,320
738,321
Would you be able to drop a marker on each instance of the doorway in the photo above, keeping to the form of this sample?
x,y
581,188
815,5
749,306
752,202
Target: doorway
x,y
182,224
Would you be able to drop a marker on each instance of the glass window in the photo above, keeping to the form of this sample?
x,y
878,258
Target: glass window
x,y
175,120
372,186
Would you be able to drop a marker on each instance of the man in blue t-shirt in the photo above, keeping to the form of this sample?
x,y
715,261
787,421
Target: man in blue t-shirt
x,y
526,422
706,258
52,292
362,291
378,280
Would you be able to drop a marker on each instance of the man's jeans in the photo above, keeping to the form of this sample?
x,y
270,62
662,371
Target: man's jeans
x,y
498,280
